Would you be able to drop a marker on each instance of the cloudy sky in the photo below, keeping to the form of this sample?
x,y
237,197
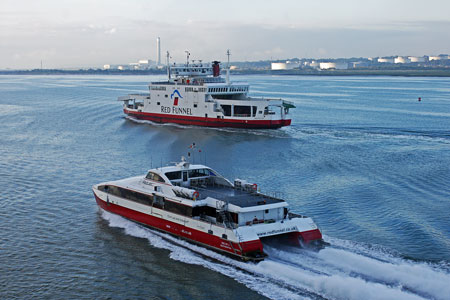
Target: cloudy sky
x,y
90,33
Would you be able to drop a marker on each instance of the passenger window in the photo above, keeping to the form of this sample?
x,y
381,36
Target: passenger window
x,y
173,175
242,111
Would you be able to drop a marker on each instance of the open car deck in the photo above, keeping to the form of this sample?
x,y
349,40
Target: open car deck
x,y
234,196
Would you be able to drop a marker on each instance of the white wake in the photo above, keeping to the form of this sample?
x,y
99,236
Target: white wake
x,y
343,270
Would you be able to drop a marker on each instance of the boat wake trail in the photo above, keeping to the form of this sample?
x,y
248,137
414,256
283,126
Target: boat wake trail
x,y
343,270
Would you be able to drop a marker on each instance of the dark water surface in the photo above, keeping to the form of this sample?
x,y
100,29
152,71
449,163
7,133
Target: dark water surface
x,y
363,157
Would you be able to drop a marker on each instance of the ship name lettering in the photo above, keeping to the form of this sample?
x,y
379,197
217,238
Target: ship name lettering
x,y
181,110
165,109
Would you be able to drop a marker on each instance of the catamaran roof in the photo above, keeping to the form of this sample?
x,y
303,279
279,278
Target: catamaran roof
x,y
177,168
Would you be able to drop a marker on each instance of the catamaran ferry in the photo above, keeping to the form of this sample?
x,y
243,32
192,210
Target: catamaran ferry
x,y
198,95
196,203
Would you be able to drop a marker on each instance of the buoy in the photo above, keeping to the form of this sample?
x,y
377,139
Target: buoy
x,y
420,99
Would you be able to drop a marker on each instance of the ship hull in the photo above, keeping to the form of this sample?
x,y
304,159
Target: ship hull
x,y
207,240
208,122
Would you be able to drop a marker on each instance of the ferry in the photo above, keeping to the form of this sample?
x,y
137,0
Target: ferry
x,y
198,95
196,203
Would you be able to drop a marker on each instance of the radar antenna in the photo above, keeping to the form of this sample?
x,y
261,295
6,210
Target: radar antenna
x,y
228,54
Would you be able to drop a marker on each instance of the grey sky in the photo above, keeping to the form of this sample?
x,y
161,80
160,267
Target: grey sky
x,y
72,33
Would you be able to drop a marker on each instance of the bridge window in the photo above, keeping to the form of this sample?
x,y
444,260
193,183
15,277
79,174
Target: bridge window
x,y
154,177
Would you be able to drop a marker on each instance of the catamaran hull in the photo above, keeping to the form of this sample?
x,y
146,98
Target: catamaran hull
x,y
251,250
208,122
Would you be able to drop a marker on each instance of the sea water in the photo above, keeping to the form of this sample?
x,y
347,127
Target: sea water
x,y
363,157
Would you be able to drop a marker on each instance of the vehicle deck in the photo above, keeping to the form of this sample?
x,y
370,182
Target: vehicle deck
x,y
235,196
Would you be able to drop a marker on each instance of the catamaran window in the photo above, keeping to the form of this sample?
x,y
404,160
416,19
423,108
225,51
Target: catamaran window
x,y
158,201
178,208
137,197
254,110
226,110
242,111
114,190
199,173
174,175
154,177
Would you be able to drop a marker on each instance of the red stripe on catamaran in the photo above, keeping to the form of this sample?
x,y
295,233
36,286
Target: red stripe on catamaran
x,y
182,231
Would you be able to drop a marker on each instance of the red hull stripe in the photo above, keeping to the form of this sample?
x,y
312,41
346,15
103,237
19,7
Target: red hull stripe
x,y
182,231
208,122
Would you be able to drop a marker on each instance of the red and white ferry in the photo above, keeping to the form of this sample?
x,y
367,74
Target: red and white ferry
x,y
198,95
196,203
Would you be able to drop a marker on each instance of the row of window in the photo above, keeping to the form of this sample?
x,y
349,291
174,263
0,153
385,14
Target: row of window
x,y
176,175
157,88
200,70
239,110
192,89
127,194
225,89
151,200
160,202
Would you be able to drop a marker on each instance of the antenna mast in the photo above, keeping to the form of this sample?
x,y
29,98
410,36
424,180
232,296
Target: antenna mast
x,y
228,54
187,57
168,65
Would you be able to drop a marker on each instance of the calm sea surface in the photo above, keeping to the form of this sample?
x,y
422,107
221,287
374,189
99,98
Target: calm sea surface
x,y
363,157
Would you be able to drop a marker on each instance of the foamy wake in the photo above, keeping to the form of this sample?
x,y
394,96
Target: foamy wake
x,y
344,270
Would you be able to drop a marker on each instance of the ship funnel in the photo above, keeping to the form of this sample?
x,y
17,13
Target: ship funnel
x,y
216,68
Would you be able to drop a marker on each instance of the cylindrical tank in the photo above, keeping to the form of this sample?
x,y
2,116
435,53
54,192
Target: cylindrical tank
x,y
278,66
416,59
386,60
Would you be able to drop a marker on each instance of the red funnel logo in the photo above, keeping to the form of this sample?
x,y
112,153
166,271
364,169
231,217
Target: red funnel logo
x,y
175,98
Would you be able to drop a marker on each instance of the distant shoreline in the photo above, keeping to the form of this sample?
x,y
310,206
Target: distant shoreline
x,y
435,72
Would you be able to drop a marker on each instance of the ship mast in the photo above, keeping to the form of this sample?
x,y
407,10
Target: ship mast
x,y
168,65
187,57
228,67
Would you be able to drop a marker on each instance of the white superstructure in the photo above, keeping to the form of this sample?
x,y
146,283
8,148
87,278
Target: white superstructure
x,y
194,202
196,94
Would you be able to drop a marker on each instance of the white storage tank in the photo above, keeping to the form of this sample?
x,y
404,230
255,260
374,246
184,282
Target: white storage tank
x,y
430,58
279,66
386,60
333,65
312,64
416,59
401,60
